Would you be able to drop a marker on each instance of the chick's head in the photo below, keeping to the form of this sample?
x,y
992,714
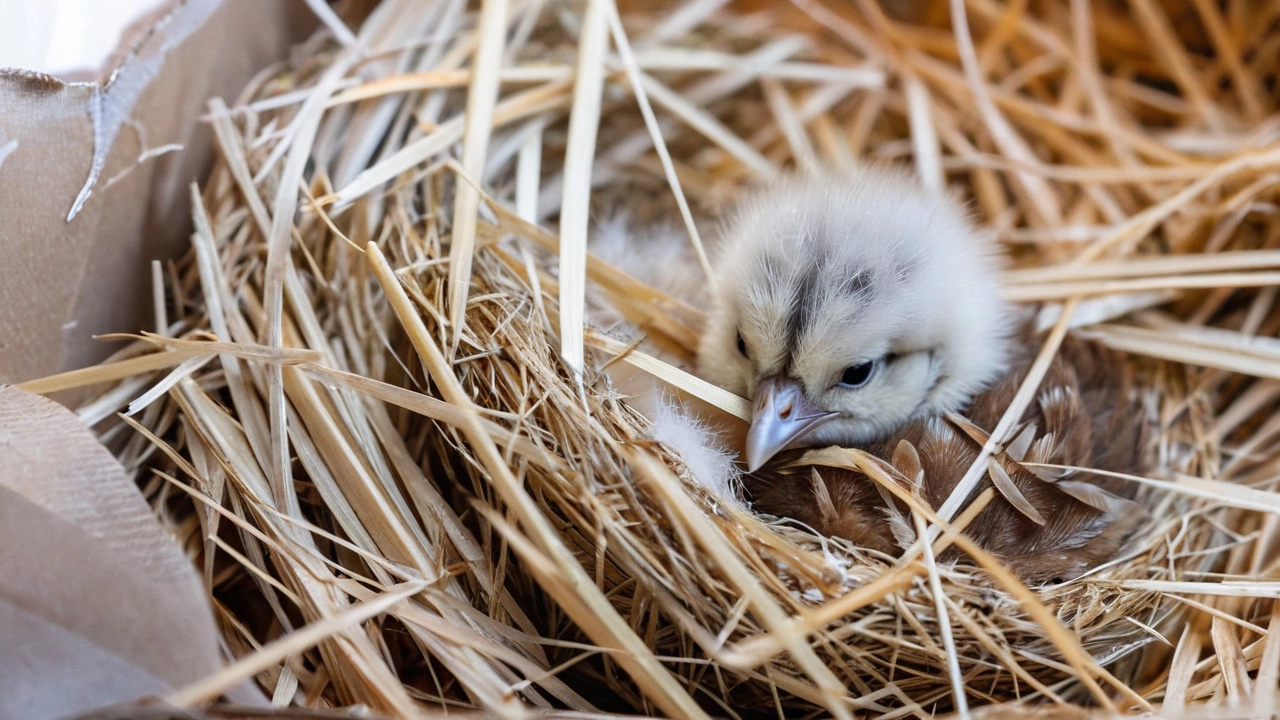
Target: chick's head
x,y
847,304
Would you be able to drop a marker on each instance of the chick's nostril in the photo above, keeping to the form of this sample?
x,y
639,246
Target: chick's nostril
x,y
785,411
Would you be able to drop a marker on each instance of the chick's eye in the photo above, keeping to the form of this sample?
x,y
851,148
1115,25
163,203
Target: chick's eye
x,y
742,345
855,376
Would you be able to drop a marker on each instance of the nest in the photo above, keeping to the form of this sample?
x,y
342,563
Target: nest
x,y
374,416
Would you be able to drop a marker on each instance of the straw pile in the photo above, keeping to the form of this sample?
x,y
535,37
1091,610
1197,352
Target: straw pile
x,y
372,415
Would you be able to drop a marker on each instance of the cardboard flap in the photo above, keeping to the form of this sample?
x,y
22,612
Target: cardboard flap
x,y
93,176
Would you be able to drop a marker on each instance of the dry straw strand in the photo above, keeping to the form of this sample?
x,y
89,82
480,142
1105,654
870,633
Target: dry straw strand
x,y
482,95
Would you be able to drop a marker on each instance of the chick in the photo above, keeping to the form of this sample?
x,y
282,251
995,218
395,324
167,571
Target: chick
x,y
849,304
859,309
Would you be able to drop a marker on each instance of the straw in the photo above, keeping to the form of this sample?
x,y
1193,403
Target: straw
x,y
393,379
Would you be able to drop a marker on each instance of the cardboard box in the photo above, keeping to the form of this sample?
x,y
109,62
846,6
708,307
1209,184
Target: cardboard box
x,y
98,605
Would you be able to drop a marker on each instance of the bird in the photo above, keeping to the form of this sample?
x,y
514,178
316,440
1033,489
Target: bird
x,y
846,303
857,308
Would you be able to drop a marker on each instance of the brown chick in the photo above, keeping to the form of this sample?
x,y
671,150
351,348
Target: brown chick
x,y
1086,414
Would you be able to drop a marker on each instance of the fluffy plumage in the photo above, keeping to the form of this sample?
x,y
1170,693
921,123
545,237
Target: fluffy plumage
x,y
709,464
819,275
660,255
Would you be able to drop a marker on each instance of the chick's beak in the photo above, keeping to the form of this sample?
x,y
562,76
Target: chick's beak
x,y
781,418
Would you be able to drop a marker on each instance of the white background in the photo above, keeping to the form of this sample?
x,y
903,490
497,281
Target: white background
x,y
61,36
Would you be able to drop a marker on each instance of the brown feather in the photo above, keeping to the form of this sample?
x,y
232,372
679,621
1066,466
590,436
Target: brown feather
x,y
1086,414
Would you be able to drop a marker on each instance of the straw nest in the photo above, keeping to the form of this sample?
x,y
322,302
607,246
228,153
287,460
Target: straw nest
x,y
360,411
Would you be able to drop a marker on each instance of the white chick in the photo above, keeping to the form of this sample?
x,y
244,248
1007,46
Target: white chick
x,y
848,304
859,309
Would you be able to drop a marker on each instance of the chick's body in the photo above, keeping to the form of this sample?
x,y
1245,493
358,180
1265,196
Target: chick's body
x,y
859,309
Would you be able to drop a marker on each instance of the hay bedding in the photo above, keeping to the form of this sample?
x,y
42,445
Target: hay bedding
x,y
455,521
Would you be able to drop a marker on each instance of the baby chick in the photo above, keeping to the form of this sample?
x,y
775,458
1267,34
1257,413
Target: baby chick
x,y
858,309
849,304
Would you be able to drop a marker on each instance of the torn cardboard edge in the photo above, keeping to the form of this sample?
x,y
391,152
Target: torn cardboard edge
x,y
92,180
112,105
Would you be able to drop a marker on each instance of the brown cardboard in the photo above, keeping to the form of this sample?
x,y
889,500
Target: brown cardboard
x,y
70,269
97,604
